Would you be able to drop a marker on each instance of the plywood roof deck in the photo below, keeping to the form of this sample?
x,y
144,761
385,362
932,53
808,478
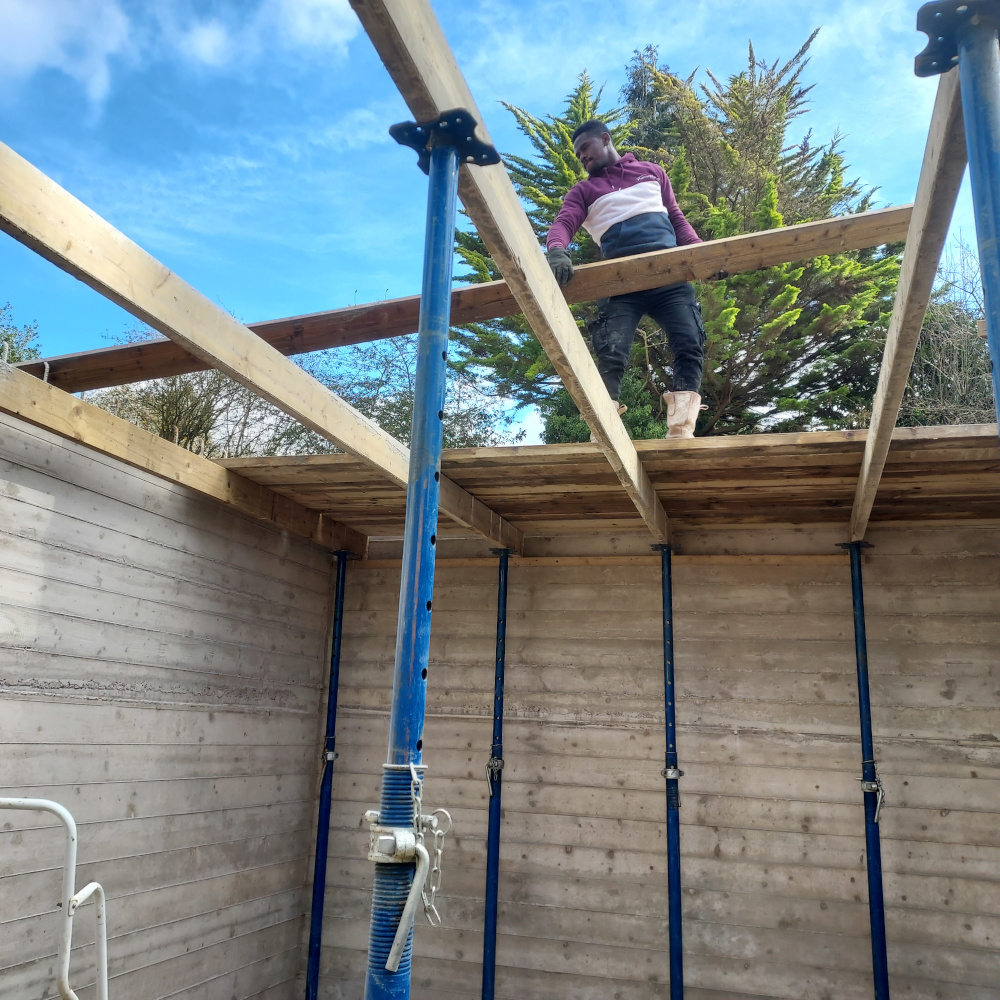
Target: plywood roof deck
x,y
931,472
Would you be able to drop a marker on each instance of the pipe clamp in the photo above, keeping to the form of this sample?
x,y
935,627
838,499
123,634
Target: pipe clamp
x,y
494,768
389,845
874,788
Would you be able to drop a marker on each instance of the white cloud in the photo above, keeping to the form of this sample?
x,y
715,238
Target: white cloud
x,y
201,196
881,37
234,36
81,37
361,127
76,37
312,23
207,42
530,421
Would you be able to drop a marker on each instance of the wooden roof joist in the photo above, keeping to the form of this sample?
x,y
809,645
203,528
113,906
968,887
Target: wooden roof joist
x,y
119,365
944,163
46,218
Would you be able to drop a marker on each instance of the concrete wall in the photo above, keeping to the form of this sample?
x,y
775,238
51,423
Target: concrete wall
x,y
775,896
161,672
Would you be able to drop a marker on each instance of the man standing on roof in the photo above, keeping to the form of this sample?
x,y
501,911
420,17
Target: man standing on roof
x,y
628,207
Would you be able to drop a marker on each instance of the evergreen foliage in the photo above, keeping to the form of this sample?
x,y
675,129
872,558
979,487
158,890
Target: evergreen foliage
x,y
790,347
505,350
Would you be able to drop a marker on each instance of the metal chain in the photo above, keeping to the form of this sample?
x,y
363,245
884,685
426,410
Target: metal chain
x,y
433,883
416,793
421,824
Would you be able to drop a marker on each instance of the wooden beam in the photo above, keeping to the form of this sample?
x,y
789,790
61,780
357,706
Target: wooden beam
x,y
483,562
941,175
57,411
46,218
412,46
491,300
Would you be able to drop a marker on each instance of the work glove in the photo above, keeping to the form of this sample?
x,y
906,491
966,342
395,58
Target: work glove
x,y
562,266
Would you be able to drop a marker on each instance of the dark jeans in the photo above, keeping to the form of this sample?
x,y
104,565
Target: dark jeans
x,y
675,308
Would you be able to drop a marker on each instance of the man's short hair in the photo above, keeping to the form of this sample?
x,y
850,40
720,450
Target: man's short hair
x,y
592,127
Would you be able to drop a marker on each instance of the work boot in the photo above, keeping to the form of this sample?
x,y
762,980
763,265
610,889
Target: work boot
x,y
682,413
622,410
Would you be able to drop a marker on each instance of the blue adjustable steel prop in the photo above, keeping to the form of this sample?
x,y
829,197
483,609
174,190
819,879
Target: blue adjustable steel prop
x,y
441,145
326,786
672,773
966,33
494,775
871,785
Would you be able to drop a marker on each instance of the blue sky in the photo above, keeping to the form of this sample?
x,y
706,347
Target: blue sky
x,y
244,143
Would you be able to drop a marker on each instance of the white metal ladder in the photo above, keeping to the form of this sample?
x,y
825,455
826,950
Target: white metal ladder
x,y
71,900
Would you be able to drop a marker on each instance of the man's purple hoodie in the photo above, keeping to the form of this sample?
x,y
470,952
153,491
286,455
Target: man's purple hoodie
x,y
628,207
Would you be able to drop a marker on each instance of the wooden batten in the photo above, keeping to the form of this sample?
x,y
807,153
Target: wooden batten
x,y
941,175
119,365
43,216
46,406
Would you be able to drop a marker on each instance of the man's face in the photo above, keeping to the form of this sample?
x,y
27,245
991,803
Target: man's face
x,y
592,151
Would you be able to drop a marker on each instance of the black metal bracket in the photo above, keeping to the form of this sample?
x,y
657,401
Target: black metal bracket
x,y
847,545
453,128
941,21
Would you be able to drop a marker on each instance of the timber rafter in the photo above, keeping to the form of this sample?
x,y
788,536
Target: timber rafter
x,y
941,175
149,359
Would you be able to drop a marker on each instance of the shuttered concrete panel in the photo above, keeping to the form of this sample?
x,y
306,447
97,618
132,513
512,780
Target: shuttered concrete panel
x,y
775,891
161,672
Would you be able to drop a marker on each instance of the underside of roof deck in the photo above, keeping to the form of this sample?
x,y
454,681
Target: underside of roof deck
x,y
931,473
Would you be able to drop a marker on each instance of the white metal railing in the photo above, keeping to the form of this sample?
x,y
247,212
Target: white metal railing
x,y
71,900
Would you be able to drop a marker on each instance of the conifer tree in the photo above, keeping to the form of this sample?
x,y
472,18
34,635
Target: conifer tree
x,y
506,350
789,347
